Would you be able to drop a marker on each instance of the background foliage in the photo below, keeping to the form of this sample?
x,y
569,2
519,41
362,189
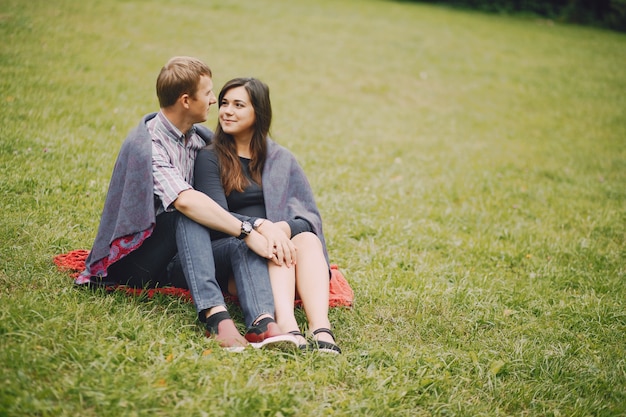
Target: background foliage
x,y
607,13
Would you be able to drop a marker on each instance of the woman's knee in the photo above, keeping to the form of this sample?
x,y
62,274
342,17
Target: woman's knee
x,y
307,240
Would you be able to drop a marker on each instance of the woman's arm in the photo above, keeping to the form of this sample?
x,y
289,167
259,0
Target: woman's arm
x,y
207,177
298,225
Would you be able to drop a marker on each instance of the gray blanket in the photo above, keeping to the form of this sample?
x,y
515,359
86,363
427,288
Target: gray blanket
x,y
287,191
129,214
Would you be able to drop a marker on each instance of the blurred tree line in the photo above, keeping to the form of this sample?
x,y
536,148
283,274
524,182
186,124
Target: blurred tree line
x,y
609,14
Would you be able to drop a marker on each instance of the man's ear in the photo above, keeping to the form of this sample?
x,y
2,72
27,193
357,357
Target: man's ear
x,y
184,100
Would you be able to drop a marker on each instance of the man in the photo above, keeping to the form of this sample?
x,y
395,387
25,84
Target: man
x,y
152,213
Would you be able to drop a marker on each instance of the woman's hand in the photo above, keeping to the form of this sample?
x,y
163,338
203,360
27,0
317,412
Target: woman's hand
x,y
278,236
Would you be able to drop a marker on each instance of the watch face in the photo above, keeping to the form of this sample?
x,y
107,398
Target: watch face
x,y
246,227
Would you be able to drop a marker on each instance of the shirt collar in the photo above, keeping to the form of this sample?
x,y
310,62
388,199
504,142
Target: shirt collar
x,y
172,131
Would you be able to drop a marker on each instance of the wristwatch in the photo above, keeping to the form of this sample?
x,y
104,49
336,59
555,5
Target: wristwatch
x,y
257,223
246,229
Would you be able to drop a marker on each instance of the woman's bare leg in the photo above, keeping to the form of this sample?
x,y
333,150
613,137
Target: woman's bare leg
x,y
283,280
312,282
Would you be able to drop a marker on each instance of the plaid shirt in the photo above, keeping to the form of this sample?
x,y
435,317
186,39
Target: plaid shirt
x,y
173,157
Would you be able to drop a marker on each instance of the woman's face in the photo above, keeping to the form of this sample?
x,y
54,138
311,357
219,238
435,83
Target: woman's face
x,y
236,113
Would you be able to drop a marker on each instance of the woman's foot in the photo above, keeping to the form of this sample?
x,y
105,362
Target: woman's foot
x,y
302,343
324,341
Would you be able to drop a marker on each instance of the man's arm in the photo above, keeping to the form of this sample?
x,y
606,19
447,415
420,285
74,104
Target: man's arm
x,y
202,209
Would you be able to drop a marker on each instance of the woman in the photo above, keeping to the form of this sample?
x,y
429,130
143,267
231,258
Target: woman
x,y
247,173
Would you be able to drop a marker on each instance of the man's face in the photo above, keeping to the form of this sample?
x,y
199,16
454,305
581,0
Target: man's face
x,y
200,103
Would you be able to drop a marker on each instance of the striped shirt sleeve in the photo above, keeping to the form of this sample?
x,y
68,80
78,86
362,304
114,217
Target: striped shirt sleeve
x,y
169,181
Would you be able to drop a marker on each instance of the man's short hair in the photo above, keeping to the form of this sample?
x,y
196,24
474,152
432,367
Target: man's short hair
x,y
179,76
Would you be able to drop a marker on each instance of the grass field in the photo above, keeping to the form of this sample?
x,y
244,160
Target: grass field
x,y
470,170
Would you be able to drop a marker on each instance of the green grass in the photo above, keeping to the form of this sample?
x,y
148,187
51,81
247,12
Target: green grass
x,y
470,169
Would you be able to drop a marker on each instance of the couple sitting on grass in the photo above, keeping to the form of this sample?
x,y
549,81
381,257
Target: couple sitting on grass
x,y
229,212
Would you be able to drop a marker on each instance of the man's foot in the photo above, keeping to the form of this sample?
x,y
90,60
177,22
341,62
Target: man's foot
x,y
221,327
266,334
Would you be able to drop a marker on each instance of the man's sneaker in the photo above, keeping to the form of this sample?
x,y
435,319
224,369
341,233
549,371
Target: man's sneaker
x,y
221,327
266,334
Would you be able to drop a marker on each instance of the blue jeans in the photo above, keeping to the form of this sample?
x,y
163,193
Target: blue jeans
x,y
195,255
251,275
148,266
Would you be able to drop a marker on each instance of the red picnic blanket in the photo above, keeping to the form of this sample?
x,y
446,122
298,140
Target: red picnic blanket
x,y
73,262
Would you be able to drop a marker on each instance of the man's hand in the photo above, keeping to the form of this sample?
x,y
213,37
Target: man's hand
x,y
278,236
259,245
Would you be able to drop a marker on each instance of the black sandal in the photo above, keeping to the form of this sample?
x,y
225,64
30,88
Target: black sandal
x,y
322,346
297,333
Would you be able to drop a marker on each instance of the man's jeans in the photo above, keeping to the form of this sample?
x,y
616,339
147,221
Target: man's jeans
x,y
250,272
176,233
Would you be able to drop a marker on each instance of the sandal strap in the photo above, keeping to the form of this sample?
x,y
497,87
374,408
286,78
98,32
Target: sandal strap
x,y
296,333
214,320
323,330
325,347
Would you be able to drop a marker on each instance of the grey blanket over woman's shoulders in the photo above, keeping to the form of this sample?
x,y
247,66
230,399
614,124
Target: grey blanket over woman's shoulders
x,y
287,191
